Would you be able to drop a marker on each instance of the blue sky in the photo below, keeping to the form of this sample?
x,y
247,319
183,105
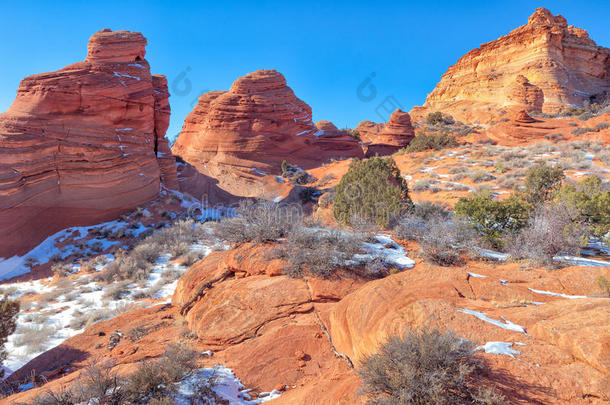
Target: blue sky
x,y
325,50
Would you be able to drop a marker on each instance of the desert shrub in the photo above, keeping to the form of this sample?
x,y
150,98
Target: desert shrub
x,y
259,222
438,118
374,190
295,174
152,382
61,269
591,202
318,253
425,368
604,284
424,184
493,219
136,264
601,126
81,320
427,210
479,176
442,240
33,338
431,142
9,310
541,182
582,130
551,231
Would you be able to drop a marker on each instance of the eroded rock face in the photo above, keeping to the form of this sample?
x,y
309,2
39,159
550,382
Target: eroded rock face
x,y
524,94
560,60
237,135
385,139
83,144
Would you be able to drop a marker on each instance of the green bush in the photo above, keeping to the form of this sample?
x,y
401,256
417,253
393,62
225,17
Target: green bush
x,y
541,182
590,201
493,219
437,117
431,142
8,323
426,368
372,189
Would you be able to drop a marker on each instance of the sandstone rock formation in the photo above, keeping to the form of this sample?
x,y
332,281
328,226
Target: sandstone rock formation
x,y
524,94
301,336
385,139
239,135
329,138
83,144
559,60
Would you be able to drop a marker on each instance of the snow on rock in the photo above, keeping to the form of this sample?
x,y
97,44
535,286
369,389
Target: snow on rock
x,y
387,250
499,348
41,254
476,275
225,385
504,323
581,261
556,294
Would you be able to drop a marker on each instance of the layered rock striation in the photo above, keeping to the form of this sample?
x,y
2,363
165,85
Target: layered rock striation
x,y
545,65
385,139
239,135
83,144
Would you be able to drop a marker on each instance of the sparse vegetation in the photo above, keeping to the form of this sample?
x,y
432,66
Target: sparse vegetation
x,y
438,118
430,142
493,219
541,182
319,253
9,310
152,382
552,230
426,368
372,189
259,223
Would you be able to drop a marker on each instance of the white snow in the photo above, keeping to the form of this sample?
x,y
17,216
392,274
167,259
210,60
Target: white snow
x,y
499,348
226,386
476,275
581,261
117,74
556,294
387,250
492,254
504,324
16,265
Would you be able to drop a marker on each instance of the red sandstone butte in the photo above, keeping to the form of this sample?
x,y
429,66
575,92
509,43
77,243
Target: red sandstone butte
x,y
83,144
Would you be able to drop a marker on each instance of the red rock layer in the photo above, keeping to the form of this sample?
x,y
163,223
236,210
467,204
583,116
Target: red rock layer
x,y
80,145
238,135
385,139
524,94
562,61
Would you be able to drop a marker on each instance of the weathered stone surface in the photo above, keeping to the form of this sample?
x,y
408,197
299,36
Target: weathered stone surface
x,y
385,139
83,144
559,61
238,135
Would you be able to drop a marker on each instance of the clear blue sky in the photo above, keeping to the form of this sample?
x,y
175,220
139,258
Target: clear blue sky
x,y
324,50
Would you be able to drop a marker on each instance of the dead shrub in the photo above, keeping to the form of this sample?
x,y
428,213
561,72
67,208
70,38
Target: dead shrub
x,y
318,252
260,222
552,230
426,368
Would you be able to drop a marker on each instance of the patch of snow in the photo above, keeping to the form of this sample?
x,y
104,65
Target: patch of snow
x,y
556,294
117,74
279,179
581,261
492,254
226,386
476,275
499,348
387,250
504,324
